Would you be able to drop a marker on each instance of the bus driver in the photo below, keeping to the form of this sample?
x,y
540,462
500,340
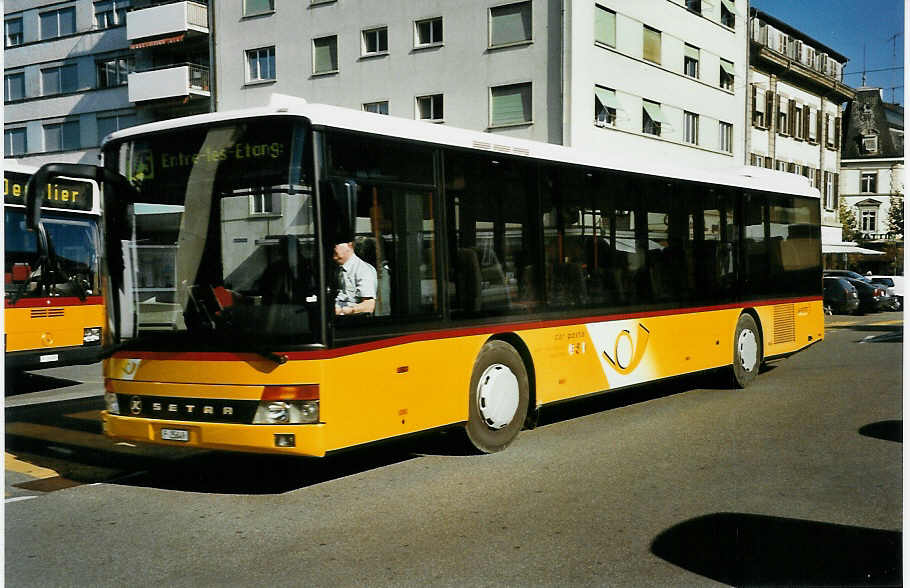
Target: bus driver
x,y
356,282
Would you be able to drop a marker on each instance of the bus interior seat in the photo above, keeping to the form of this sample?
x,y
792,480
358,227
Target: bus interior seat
x,y
469,266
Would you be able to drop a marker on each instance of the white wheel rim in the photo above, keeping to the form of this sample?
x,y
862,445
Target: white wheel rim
x,y
497,396
748,349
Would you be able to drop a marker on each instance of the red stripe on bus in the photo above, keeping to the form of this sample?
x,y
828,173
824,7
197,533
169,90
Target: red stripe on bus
x,y
443,334
55,301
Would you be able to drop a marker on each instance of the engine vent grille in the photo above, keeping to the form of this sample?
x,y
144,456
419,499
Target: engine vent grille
x,y
37,313
784,323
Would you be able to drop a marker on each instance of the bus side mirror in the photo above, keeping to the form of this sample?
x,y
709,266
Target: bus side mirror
x,y
339,201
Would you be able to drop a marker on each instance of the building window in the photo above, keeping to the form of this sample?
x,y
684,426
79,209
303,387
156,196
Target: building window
x,y
58,23
430,108
111,13
798,123
870,143
652,118
728,13
114,72
13,28
605,106
868,182
59,80
260,64
781,165
377,107
375,41
782,117
14,86
14,142
268,204
694,6
691,128
428,32
867,219
604,26
691,60
756,160
830,204
251,7
727,74
325,55
812,135
62,136
110,124
510,105
726,137
758,107
651,47
510,24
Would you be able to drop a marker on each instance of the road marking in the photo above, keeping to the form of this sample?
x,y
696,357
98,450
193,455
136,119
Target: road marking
x,y
894,322
13,464
88,415
18,499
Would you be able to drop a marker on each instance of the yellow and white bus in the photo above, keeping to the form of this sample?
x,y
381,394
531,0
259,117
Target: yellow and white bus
x,y
510,275
53,306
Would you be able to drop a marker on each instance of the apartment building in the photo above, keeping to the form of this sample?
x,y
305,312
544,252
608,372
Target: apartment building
x,y
663,78
795,97
872,163
65,74
77,70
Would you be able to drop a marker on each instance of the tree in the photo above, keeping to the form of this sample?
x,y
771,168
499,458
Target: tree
x,y
848,221
896,215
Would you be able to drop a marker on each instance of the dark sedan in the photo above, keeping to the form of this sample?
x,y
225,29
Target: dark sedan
x,y
840,295
872,298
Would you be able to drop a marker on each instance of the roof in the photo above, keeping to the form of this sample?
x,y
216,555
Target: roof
x,y
794,32
390,126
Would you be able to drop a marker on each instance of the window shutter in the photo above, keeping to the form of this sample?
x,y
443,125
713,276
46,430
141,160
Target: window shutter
x,y
825,137
807,112
510,104
754,103
769,110
837,133
324,55
510,24
791,117
769,163
605,26
651,49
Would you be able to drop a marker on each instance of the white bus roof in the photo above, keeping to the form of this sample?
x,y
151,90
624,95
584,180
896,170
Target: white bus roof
x,y
345,118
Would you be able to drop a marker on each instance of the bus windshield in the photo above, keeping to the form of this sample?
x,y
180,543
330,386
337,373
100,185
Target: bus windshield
x,y
217,244
75,271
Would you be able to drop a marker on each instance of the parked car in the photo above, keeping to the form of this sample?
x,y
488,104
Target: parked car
x,y
845,274
840,295
894,285
872,297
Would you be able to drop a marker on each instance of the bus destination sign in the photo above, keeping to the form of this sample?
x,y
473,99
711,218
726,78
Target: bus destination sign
x,y
71,194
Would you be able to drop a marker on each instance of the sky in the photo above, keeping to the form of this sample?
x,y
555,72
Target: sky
x,y
846,26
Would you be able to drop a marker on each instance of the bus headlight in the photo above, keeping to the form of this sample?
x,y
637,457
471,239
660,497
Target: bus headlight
x,y
91,336
110,398
288,405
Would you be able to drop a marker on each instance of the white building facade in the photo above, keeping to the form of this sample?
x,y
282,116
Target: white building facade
x,y
795,97
665,78
872,178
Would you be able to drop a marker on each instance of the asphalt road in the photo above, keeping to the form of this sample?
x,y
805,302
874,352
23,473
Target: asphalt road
x,y
796,480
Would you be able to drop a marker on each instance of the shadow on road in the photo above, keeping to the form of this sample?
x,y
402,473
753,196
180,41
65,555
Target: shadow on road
x,y
754,550
16,384
885,430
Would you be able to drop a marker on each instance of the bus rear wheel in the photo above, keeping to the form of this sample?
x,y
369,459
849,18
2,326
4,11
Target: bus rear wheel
x,y
498,397
747,351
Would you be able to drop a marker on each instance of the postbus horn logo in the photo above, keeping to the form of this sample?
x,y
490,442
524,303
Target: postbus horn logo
x,y
626,354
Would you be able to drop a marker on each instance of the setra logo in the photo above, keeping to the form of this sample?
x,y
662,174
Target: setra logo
x,y
135,405
626,353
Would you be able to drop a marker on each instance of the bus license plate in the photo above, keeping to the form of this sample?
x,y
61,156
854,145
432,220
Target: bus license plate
x,y
175,435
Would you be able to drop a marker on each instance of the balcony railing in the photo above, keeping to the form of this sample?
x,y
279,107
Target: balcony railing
x,y
171,81
795,50
166,19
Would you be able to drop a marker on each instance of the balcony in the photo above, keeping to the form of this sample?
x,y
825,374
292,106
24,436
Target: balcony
x,y
171,20
186,80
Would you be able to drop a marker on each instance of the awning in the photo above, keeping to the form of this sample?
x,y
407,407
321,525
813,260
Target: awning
x,y
156,42
727,67
607,98
654,112
848,248
729,6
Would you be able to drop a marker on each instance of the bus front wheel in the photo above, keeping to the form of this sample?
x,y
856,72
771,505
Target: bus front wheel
x,y
747,351
498,397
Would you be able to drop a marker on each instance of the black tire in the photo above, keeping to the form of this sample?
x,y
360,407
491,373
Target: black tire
x,y
498,397
747,351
